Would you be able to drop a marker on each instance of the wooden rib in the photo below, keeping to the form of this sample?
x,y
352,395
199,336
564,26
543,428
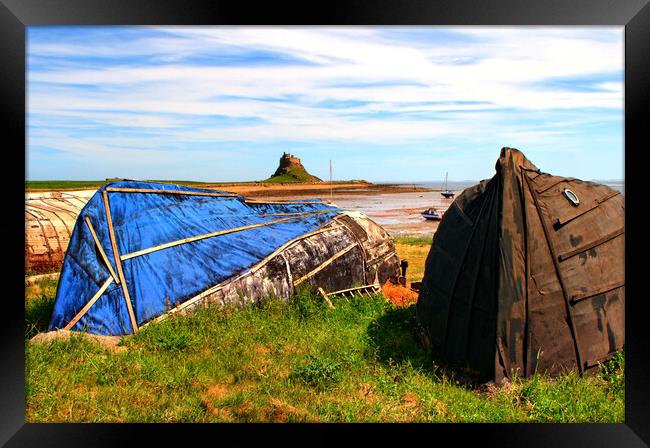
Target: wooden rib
x,y
87,306
255,201
254,269
83,201
54,211
324,294
352,289
301,213
201,237
558,272
116,256
552,184
45,237
562,220
325,264
591,245
580,297
382,258
59,205
101,250
291,243
363,252
188,193
289,275
50,208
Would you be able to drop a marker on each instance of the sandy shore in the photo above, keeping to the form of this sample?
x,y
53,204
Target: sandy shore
x,y
396,207
321,190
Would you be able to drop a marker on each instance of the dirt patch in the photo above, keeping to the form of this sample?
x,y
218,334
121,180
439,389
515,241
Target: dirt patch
x,y
108,342
218,391
290,348
261,349
221,414
410,400
492,389
315,189
281,412
399,295
214,395
32,279
366,391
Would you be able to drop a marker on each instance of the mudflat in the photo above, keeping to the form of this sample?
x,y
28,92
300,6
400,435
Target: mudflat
x,y
317,189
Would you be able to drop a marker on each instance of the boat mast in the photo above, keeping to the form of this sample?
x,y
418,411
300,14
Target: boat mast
x,y
331,187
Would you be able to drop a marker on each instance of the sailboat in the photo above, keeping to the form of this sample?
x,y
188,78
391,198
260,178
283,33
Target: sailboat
x,y
447,193
331,188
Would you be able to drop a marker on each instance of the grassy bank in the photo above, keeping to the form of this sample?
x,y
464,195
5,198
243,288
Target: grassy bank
x,y
284,362
62,185
46,185
414,249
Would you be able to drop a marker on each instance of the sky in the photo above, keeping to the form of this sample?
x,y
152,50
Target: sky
x,y
222,103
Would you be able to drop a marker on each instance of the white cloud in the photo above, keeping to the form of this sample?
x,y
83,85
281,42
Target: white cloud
x,y
173,93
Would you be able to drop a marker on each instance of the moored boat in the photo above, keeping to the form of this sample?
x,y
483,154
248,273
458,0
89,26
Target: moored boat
x,y
447,193
431,214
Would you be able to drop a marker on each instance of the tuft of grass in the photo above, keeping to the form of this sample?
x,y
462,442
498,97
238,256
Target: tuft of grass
x,y
613,372
569,399
319,372
169,336
39,303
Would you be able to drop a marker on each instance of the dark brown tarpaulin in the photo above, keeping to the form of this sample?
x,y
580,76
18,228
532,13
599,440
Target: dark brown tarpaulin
x,y
526,273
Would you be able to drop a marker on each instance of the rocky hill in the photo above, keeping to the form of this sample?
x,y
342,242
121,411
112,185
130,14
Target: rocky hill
x,y
291,169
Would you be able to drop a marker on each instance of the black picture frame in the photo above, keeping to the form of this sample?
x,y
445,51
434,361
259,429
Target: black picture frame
x,y
16,15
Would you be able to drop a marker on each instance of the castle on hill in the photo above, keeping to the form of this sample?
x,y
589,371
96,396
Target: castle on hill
x,y
291,166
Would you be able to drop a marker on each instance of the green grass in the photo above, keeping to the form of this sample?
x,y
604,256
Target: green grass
x,y
286,362
39,302
414,249
62,184
292,176
35,185
414,240
46,185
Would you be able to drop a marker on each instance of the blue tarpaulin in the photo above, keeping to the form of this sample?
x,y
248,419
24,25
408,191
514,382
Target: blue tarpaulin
x,y
161,278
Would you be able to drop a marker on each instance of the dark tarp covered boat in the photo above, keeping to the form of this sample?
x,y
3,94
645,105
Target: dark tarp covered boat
x,y
526,273
141,251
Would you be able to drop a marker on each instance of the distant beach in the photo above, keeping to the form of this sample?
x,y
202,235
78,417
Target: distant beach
x,y
395,206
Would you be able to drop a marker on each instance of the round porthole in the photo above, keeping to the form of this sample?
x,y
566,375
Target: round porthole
x,y
572,197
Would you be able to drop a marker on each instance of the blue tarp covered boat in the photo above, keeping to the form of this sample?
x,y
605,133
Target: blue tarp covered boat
x,y
141,251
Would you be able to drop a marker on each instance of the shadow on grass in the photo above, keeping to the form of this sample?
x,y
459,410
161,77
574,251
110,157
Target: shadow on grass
x,y
39,303
394,339
37,316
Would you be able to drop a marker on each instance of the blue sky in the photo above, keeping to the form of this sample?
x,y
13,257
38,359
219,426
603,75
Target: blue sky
x,y
383,103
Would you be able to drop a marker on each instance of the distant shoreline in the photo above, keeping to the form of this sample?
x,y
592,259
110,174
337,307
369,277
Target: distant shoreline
x,y
252,188
265,189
